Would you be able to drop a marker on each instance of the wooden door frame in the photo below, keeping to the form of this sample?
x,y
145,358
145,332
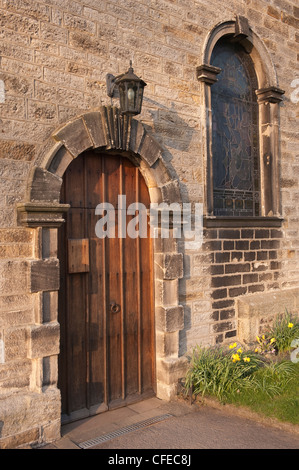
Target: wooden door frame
x,y
108,131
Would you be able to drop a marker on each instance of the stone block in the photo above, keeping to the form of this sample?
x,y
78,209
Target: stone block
x,y
60,162
136,136
30,436
43,340
167,344
11,372
171,192
74,136
17,150
165,391
17,317
96,129
161,173
87,43
49,306
164,245
49,243
16,243
9,303
170,319
16,343
15,384
45,186
166,292
252,309
50,370
112,125
169,266
13,277
41,111
31,9
24,414
170,370
19,235
155,194
78,23
150,150
51,432
44,275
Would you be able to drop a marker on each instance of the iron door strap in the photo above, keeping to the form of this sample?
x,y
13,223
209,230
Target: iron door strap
x,y
114,307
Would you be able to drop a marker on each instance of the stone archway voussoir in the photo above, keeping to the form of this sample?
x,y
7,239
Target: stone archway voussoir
x,y
74,137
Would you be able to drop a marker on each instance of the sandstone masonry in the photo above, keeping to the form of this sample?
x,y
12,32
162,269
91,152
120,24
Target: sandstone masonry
x,y
54,57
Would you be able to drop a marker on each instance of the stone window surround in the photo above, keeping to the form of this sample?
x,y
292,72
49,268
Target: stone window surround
x,y
108,131
268,96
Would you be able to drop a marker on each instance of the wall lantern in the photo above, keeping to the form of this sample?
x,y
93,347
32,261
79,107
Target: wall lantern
x,y
130,88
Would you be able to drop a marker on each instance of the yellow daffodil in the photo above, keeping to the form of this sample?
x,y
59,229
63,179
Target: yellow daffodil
x,y
231,346
256,350
239,350
236,357
246,359
272,340
290,325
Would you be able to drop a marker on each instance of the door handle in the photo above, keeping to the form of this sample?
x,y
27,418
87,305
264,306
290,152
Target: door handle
x,y
114,307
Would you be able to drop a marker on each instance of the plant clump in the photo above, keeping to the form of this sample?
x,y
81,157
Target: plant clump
x,y
226,373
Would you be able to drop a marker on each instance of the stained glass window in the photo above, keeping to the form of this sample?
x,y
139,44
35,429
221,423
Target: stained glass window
x,y
234,133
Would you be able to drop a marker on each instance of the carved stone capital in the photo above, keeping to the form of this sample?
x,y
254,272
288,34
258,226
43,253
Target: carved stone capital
x,y
34,214
270,95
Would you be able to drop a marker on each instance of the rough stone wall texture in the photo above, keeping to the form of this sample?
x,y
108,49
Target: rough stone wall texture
x,y
54,57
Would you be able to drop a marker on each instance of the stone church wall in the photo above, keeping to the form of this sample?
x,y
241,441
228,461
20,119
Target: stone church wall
x,y
54,57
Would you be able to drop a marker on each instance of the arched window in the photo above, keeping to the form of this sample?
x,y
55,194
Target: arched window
x,y
241,131
235,153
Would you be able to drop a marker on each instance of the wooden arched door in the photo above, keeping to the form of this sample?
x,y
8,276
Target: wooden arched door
x,y
106,312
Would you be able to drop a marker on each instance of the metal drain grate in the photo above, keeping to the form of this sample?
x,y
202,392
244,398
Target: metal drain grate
x,y
120,432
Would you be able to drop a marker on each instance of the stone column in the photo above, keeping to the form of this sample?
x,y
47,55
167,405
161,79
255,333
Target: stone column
x,y
169,316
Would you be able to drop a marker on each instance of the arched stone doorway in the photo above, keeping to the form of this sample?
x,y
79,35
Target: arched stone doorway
x,y
106,131
106,314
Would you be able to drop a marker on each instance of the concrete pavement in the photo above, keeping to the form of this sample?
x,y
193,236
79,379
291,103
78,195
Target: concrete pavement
x,y
156,424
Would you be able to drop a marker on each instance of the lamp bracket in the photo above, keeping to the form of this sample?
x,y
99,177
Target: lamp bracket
x,y
111,86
